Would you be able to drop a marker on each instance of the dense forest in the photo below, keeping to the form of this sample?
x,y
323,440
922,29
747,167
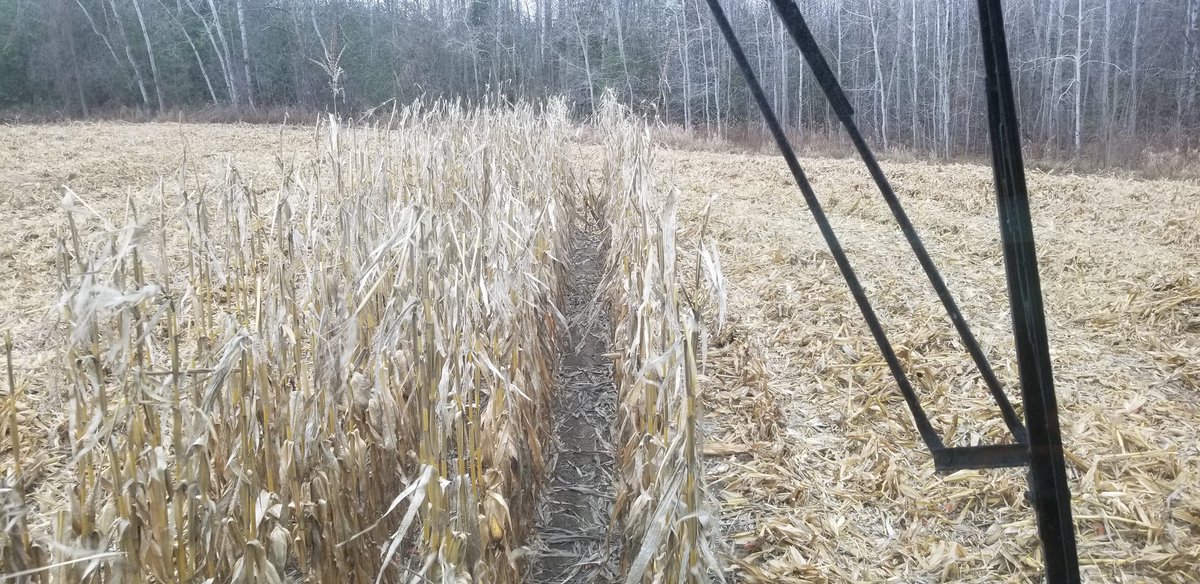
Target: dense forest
x,y
1092,74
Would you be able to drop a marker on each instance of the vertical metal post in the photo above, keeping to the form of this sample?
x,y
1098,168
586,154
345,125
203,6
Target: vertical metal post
x,y
1047,468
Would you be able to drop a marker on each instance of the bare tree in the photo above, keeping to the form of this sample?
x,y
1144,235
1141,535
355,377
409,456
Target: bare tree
x,y
587,64
137,71
874,22
192,44
1106,67
914,137
1192,44
1078,83
137,7
685,63
241,16
99,33
223,50
1133,67
616,8
1083,69
222,56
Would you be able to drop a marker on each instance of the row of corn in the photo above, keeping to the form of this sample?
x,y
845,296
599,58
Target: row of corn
x,y
666,520
341,377
346,376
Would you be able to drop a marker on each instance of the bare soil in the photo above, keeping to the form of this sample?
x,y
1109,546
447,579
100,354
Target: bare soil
x,y
577,544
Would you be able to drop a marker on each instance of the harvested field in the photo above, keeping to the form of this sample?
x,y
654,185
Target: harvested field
x,y
811,458
818,469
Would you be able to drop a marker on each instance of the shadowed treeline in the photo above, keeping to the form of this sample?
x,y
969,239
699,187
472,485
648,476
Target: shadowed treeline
x,y
1103,80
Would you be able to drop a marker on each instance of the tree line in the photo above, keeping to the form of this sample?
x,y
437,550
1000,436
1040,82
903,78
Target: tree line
x,y
1090,74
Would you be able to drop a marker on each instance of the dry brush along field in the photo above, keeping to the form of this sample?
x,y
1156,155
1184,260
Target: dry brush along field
x,y
330,353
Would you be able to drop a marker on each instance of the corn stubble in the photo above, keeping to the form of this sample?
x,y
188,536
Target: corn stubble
x,y
343,378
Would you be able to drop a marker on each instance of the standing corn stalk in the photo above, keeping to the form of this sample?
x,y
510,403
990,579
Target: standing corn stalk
x,y
665,517
342,377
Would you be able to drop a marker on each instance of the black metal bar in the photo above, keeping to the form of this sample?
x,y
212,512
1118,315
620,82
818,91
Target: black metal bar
x,y
977,457
1047,467
920,419
794,21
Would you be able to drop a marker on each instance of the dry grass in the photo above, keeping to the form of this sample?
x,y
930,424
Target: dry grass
x,y
1129,158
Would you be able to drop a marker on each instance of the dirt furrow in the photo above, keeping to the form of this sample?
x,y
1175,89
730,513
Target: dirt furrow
x,y
575,544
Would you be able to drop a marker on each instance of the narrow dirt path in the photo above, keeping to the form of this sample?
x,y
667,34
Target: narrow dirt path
x,y
576,510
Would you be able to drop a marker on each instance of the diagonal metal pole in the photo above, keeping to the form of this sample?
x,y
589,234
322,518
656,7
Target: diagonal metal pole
x,y
1047,467
793,21
920,418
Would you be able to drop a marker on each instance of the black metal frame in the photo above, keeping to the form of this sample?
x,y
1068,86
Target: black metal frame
x,y
1047,467
1040,445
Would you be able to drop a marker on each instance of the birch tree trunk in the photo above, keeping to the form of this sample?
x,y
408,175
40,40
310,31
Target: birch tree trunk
x,y
1133,68
103,37
945,67
241,15
1193,57
681,33
234,93
83,103
1078,77
222,61
707,86
1058,64
914,137
880,89
800,120
772,80
587,64
838,8
195,51
1105,78
616,5
712,50
137,7
785,79
1047,78
137,71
